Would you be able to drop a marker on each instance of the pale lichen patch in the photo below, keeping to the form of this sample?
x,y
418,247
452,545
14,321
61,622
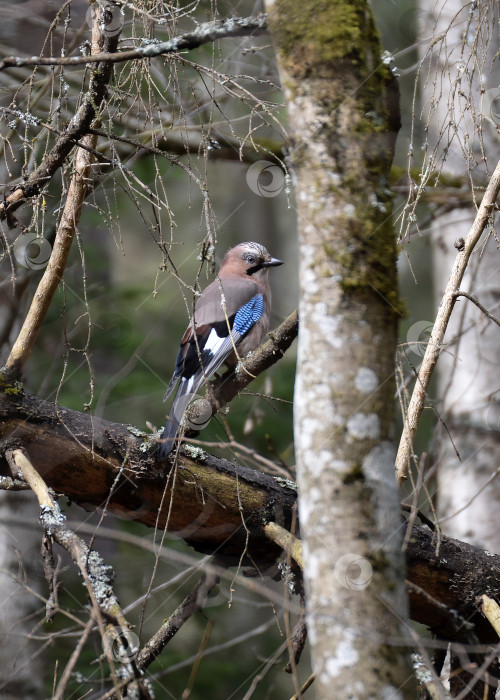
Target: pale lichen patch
x,y
364,426
366,381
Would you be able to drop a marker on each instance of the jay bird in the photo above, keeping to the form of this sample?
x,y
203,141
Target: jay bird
x,y
231,314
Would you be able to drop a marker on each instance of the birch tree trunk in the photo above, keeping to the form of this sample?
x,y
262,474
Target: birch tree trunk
x,y
466,146
343,115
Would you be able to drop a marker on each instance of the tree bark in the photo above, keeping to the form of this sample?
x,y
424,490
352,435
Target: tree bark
x,y
101,464
343,116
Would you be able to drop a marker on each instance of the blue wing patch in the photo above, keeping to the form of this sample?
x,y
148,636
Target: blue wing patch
x,y
248,314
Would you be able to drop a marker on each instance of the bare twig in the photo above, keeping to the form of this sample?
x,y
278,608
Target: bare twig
x,y
97,575
77,192
443,316
203,34
61,687
485,311
76,129
305,686
194,601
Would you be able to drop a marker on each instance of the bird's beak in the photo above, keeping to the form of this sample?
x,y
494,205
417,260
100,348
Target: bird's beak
x,y
274,262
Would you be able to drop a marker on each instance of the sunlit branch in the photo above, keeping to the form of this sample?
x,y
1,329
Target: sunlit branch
x,y
441,323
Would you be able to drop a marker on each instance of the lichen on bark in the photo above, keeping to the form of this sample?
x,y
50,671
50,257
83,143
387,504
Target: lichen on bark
x,y
343,116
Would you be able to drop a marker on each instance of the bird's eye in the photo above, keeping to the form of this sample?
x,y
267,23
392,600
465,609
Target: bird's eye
x,y
250,260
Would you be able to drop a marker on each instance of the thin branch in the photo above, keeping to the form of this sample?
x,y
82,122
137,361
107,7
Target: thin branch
x,y
97,575
22,464
223,390
478,304
76,129
306,685
61,686
192,603
47,286
204,33
443,316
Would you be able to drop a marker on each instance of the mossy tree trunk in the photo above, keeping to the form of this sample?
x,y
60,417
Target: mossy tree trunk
x,y
343,116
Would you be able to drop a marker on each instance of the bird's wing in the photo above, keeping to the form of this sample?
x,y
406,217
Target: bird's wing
x,y
222,299
215,350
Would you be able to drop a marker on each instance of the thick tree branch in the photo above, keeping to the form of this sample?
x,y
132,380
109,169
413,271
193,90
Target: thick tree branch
x,y
204,33
83,458
208,502
441,323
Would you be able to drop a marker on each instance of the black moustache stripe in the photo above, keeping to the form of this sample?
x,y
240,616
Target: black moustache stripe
x,y
255,268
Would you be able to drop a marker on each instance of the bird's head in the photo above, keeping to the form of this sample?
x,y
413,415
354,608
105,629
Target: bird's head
x,y
250,259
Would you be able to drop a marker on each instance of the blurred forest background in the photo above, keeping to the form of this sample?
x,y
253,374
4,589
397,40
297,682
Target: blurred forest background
x,y
110,340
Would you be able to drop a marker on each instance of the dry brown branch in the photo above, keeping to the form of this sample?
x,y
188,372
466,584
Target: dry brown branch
x,y
192,603
47,286
444,588
203,34
443,316
95,463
